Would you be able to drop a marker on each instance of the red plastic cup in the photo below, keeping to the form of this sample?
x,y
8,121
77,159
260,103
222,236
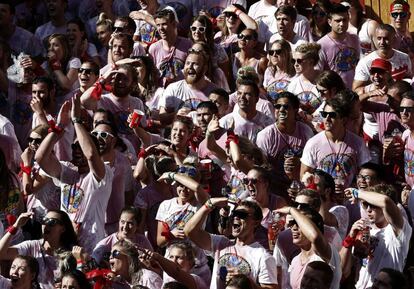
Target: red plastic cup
x,y
206,166
136,118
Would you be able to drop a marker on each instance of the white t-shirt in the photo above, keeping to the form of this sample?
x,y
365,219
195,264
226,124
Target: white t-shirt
x,y
306,92
252,260
389,251
296,41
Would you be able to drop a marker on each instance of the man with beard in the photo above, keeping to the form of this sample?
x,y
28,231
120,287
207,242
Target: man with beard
x,y
170,52
246,121
57,24
119,101
400,62
242,255
340,50
110,147
85,182
186,94
121,47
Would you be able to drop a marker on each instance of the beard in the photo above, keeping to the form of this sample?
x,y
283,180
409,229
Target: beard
x,y
191,79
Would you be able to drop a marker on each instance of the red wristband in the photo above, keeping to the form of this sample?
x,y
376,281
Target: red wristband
x,y
142,154
56,66
12,230
232,138
53,127
26,170
348,242
96,92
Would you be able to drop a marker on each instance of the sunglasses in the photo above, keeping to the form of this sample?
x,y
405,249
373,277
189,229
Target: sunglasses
x,y
401,14
101,134
86,70
321,91
115,254
365,205
291,223
119,29
331,114
279,106
274,52
299,60
201,29
192,172
377,70
51,222
230,14
406,109
364,177
319,13
301,206
241,36
243,215
247,181
35,140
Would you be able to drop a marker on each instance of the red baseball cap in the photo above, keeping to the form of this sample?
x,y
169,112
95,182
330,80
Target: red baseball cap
x,y
403,5
381,64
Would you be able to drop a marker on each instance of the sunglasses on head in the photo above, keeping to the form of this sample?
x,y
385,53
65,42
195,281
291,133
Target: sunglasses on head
x,y
401,14
230,14
241,36
406,109
274,52
202,29
51,222
101,134
86,70
240,214
115,254
365,205
35,140
279,106
331,114
247,181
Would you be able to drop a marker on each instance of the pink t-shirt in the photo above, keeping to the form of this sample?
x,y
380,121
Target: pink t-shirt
x,y
275,83
387,121
341,56
340,160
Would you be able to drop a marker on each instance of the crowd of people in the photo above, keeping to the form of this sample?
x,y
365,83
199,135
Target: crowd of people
x,y
222,144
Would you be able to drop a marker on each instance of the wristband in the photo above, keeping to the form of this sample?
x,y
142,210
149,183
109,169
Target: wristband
x,y
25,169
96,92
209,205
171,176
355,193
348,242
232,138
12,230
77,120
53,127
142,154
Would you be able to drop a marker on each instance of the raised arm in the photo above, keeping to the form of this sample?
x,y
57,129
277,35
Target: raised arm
x,y
91,96
246,19
95,163
212,145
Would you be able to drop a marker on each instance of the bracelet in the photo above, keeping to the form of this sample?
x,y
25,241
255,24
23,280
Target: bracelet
x,y
209,205
12,230
355,193
348,242
25,169
171,176
77,120
142,154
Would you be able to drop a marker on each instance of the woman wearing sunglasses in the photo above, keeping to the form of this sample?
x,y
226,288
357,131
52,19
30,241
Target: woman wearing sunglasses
x,y
280,69
174,213
57,235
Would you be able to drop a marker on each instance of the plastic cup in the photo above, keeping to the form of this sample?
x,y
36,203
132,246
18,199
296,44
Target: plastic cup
x,y
137,115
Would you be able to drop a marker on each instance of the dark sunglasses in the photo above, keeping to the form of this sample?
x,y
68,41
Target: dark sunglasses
x,y
377,70
274,52
241,36
301,206
119,29
115,254
230,14
331,114
101,134
321,91
407,109
279,106
192,172
298,60
243,215
401,14
365,205
51,222
247,181
319,13
86,70
35,140
202,29
291,223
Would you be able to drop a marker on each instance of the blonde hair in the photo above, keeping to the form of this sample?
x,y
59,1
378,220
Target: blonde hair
x,y
310,50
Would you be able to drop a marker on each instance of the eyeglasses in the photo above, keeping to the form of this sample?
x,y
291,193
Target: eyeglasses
x,y
119,29
240,214
51,222
406,109
35,140
401,14
291,223
331,114
230,14
115,254
201,29
365,205
274,52
241,36
101,134
192,172
299,60
365,178
279,106
319,13
248,181
86,70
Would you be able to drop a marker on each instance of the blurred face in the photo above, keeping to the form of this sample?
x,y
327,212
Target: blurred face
x,y
284,111
34,141
204,116
284,24
103,34
382,281
246,98
325,93
366,178
177,255
78,158
399,18
41,91
55,7
194,69
232,22
243,222
297,236
122,83
221,104
256,186
69,283
6,17
407,112
87,76
141,72
52,226
375,214
383,39
378,77
331,119
122,27
105,137
302,64
276,55
120,49
73,33
179,134
184,193
198,31
320,16
118,261
246,40
165,28
127,226
339,23
56,47
20,274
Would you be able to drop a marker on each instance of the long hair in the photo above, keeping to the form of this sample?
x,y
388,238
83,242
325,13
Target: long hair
x,y
33,267
225,30
134,265
205,21
67,51
286,55
68,239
